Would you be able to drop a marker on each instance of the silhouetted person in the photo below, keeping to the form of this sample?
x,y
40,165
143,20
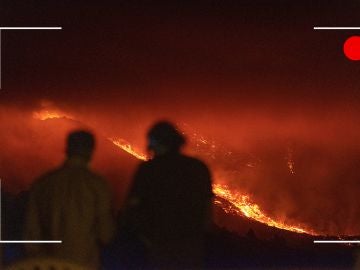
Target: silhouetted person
x,y
72,204
169,203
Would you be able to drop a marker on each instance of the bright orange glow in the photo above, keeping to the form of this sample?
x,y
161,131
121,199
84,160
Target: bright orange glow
x,y
240,204
290,161
126,146
47,114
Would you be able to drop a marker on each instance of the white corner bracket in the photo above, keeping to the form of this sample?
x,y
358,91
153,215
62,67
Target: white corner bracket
x,y
22,241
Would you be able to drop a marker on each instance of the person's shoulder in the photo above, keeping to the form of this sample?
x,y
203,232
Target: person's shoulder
x,y
192,159
45,178
143,165
194,162
49,175
146,167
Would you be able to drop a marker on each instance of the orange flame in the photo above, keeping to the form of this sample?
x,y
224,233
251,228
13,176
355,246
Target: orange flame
x,y
126,146
240,204
47,114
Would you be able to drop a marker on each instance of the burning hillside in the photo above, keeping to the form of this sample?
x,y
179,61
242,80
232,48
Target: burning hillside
x,y
241,203
287,184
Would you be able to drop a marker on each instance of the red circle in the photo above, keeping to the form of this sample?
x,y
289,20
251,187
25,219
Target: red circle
x,y
352,48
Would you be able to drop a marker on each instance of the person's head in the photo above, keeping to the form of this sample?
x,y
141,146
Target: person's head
x,y
163,138
80,144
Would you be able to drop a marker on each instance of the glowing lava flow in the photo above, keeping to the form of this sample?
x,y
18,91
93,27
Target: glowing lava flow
x,y
240,204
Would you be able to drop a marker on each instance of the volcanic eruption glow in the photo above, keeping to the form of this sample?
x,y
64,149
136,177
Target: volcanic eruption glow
x,y
239,203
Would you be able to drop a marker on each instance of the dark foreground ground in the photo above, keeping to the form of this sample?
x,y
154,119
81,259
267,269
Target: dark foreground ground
x,y
224,249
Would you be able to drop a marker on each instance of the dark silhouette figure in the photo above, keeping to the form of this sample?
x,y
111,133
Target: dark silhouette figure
x,y
13,213
72,204
169,203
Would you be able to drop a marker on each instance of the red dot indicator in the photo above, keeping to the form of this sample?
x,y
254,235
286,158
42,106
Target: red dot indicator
x,y
352,48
